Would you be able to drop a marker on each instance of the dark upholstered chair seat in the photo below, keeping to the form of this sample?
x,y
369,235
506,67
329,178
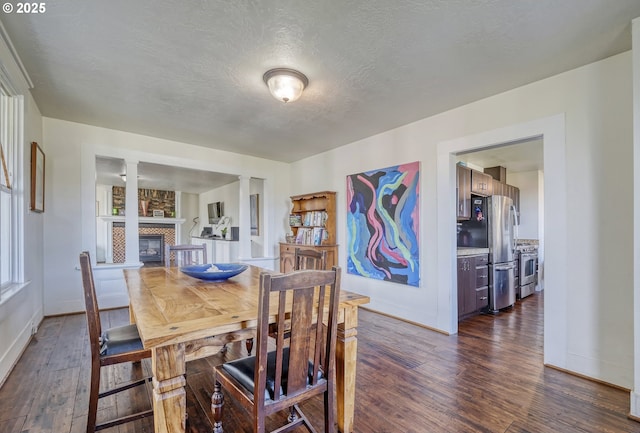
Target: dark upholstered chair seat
x,y
243,371
120,339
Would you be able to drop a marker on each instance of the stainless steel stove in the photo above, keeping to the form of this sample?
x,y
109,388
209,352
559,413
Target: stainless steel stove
x,y
528,269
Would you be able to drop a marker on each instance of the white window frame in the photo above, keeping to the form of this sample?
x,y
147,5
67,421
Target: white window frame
x,y
12,136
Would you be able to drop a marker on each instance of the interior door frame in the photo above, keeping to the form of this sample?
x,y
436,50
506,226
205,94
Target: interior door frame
x,y
552,130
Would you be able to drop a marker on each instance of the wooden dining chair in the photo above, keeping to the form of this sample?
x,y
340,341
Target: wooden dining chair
x,y
303,259
111,346
270,382
185,254
309,259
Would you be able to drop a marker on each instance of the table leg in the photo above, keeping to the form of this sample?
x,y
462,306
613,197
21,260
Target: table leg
x,y
169,397
346,354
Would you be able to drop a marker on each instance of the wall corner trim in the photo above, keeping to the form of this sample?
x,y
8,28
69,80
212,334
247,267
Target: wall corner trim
x,y
4,36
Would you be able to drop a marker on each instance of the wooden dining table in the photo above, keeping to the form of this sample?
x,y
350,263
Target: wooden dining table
x,y
181,318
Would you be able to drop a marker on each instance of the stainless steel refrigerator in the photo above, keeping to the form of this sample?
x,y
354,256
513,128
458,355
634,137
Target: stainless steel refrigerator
x,y
502,229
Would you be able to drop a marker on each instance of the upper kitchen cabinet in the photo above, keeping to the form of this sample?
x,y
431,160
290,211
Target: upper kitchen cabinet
x,y
481,183
463,191
513,193
499,188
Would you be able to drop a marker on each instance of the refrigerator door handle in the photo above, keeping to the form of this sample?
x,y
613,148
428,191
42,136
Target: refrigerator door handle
x,y
516,223
504,267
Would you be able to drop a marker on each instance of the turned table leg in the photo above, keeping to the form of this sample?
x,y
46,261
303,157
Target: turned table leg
x,y
346,355
169,397
249,345
217,404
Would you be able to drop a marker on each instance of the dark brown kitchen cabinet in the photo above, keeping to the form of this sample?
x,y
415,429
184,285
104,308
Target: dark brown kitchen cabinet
x,y
498,187
466,286
509,191
463,192
481,183
473,281
482,282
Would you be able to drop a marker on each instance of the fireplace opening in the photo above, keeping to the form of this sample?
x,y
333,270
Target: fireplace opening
x,y
151,248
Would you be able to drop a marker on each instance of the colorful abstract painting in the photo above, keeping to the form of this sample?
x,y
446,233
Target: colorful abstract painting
x,y
383,217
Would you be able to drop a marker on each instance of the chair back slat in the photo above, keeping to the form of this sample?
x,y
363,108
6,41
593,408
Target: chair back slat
x,y
309,259
184,255
318,355
91,304
299,354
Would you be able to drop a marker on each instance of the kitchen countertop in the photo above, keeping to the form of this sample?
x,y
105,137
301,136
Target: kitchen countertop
x,y
471,251
533,242
527,244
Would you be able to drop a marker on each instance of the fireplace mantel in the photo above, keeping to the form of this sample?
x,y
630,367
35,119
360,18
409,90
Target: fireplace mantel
x,y
155,220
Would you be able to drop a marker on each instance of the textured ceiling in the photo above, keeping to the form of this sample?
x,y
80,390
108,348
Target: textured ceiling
x,y
192,71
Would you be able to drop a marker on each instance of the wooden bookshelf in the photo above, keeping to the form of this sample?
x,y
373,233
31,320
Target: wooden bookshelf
x,y
312,222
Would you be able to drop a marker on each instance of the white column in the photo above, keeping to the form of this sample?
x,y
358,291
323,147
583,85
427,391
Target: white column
x,y
132,253
635,65
244,224
267,233
178,214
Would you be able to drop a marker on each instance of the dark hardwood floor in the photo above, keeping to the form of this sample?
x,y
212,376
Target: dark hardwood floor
x,y
488,378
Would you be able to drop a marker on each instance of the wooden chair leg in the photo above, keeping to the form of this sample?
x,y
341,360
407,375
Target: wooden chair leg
x,y
330,424
293,415
217,405
94,389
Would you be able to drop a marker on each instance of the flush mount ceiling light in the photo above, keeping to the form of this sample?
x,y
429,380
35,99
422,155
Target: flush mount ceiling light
x,y
285,85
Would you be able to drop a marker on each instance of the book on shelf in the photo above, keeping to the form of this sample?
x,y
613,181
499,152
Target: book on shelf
x,y
295,220
311,236
315,218
318,235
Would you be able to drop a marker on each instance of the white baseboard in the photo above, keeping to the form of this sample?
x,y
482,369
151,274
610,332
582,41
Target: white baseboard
x,y
115,300
12,354
634,411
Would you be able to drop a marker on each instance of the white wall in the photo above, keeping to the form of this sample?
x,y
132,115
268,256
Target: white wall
x,y
635,392
229,196
590,315
70,217
531,185
527,182
189,209
24,310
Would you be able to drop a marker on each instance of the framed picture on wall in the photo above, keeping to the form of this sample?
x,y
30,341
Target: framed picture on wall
x,y
37,178
255,214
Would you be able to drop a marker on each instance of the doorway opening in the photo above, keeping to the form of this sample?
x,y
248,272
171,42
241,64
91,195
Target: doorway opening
x,y
553,239
514,171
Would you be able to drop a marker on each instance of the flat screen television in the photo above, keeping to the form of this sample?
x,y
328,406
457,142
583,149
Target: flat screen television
x,y
216,211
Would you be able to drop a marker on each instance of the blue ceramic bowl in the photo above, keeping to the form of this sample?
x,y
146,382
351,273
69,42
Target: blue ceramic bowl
x,y
225,271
